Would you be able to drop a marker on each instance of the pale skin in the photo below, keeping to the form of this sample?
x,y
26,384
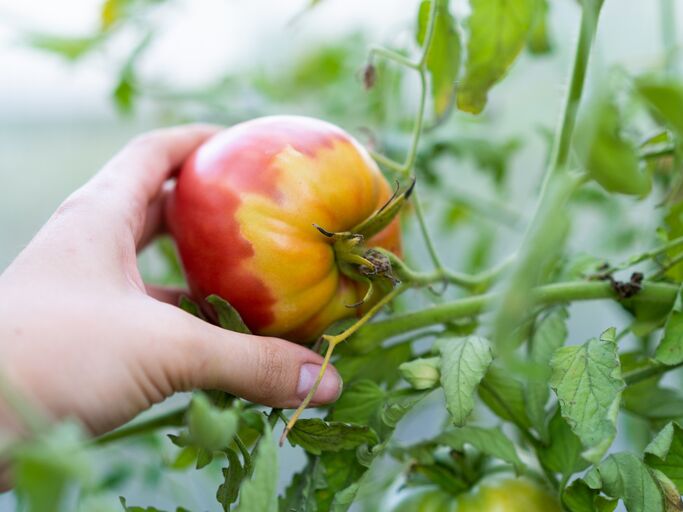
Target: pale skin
x,y
82,336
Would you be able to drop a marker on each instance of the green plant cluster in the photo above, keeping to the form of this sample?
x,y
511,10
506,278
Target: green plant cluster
x,y
490,341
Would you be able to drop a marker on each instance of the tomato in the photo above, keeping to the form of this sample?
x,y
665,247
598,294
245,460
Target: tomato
x,y
243,213
510,495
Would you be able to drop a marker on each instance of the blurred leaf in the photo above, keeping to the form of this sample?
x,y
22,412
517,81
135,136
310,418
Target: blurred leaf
x,y
587,380
145,509
358,403
71,48
663,96
316,436
670,495
562,454
607,156
210,428
46,468
504,395
228,317
443,59
674,229
490,441
300,494
497,33
646,398
341,470
549,335
464,362
190,306
538,42
578,497
353,367
624,476
232,479
259,493
670,348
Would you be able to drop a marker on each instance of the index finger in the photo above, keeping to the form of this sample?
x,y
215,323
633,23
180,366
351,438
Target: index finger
x,y
140,169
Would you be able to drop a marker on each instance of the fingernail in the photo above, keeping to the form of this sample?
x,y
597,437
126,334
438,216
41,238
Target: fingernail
x,y
329,389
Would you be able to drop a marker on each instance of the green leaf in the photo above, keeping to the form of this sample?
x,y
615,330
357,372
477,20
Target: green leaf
x,y
624,476
562,454
663,96
259,493
504,395
146,509
341,470
359,403
608,157
443,59
232,479
670,495
300,494
549,335
665,453
228,317
45,468
646,398
464,362
538,42
578,497
670,349
316,436
190,306
587,380
498,30
210,428
490,441
421,373
354,367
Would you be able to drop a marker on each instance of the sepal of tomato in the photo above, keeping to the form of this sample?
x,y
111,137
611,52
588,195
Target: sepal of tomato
x,y
243,213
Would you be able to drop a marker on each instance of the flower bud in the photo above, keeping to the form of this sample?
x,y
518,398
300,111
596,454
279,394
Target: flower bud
x,y
421,373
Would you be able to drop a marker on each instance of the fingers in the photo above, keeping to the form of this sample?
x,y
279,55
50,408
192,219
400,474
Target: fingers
x,y
145,163
268,371
154,219
165,294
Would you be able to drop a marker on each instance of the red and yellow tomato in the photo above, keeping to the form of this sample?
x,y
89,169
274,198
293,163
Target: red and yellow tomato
x,y
243,213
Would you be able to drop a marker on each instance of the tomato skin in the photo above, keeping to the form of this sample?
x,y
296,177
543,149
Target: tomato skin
x,y
242,216
510,495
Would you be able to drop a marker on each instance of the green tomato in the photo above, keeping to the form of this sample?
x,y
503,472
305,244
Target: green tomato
x,y
510,495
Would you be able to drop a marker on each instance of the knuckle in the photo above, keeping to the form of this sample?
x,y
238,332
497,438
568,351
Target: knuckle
x,y
271,370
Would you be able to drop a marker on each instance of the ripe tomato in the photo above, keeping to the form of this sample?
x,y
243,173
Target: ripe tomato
x,y
510,495
242,216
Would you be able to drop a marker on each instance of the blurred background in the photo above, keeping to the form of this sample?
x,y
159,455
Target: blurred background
x,y
76,84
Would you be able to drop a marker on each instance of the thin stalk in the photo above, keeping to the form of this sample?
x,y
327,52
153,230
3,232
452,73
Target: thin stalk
x,y
560,154
668,25
333,341
173,418
419,213
665,268
392,55
648,255
646,373
245,454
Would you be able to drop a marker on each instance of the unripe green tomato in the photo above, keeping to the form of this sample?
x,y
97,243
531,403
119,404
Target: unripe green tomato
x,y
509,495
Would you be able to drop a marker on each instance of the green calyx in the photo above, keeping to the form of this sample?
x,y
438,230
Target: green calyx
x,y
355,259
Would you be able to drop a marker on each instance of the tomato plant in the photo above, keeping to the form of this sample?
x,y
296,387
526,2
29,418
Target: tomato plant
x,y
469,350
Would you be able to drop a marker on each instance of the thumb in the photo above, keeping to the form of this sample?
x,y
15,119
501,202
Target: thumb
x,y
268,371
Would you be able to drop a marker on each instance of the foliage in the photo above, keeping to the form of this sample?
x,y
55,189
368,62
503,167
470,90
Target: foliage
x,y
492,346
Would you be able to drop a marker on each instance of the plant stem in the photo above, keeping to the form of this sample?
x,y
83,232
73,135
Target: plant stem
x,y
373,334
173,418
436,259
650,371
669,265
668,27
392,55
560,154
652,253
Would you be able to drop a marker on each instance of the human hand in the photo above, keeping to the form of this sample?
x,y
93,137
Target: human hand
x,y
82,336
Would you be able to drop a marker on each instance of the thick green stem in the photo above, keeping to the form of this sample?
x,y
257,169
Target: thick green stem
x,y
572,291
